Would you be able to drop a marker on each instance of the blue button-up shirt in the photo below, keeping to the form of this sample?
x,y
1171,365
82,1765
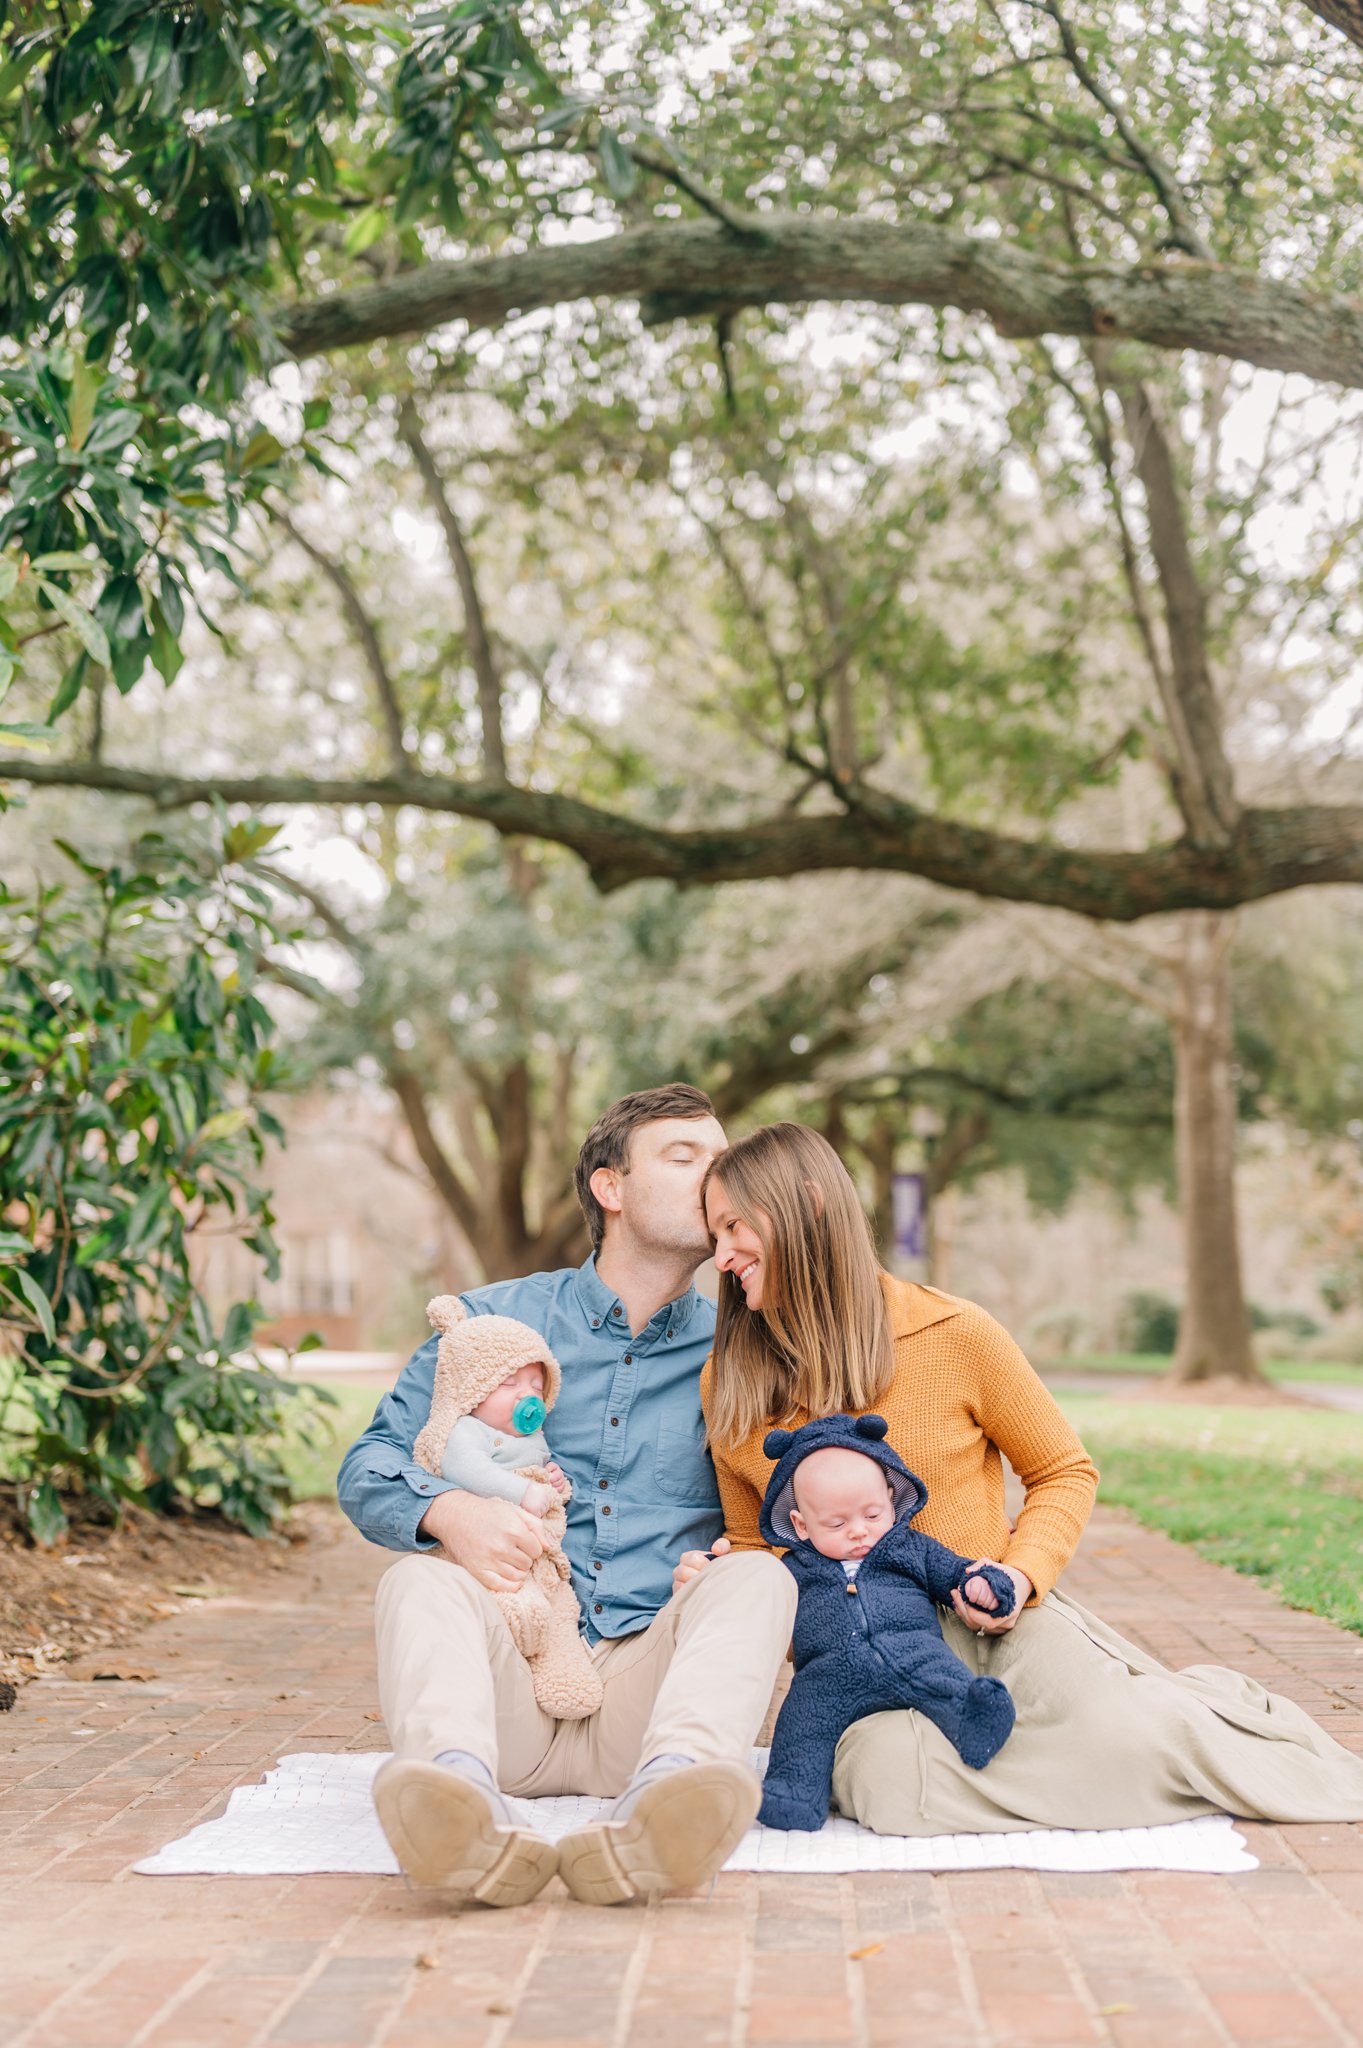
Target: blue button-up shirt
x,y
626,1428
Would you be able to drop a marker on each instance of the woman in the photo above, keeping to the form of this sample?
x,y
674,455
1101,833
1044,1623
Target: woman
x,y
1106,1737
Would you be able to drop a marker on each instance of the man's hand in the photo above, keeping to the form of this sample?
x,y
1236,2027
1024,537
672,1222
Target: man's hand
x,y
692,1563
493,1539
993,1624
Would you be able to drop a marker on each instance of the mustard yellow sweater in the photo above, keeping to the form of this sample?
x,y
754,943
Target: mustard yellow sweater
x,y
962,1393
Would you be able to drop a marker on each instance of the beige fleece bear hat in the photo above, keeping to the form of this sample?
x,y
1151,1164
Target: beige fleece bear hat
x,y
476,1354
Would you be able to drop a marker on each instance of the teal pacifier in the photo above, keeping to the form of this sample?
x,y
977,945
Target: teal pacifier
x,y
528,1415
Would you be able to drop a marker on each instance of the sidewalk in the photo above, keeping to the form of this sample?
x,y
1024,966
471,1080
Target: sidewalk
x,y
95,1775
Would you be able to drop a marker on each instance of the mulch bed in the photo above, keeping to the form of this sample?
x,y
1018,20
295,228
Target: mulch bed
x,y
75,1604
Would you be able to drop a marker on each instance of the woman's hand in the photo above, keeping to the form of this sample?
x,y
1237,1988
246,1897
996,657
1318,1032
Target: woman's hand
x,y
692,1563
994,1624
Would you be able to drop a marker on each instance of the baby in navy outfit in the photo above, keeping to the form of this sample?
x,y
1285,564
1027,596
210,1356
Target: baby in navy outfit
x,y
867,1636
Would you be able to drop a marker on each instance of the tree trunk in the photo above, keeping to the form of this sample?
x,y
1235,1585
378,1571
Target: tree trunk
x,y
1214,1332
878,1149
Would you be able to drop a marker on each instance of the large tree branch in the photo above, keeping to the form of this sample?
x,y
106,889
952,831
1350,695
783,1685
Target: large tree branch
x,y
484,661
1345,15
698,266
1269,851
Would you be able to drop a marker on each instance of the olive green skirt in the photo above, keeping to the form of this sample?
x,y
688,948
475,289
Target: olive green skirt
x,y
1106,1737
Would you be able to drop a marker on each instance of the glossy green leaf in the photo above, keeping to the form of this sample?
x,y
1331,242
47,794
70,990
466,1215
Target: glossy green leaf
x,y
23,1283
83,623
618,166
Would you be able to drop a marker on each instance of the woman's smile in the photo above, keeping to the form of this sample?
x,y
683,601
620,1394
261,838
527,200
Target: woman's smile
x,y
738,1248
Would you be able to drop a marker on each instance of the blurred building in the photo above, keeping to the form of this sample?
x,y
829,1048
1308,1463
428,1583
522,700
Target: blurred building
x,y
363,1240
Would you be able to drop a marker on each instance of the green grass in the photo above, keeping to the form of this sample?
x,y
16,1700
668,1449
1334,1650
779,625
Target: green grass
x,y
1272,1492
1154,1363
312,1468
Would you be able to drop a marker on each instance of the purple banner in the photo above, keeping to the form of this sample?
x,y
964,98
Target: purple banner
x,y
909,1207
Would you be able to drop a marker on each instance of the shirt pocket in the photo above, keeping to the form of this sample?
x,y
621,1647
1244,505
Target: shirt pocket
x,y
681,1463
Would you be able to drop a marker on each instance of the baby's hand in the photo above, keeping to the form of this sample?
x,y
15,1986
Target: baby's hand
x,y
556,1476
979,1593
537,1499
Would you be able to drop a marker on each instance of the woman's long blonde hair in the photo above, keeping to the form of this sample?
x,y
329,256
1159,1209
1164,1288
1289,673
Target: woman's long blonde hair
x,y
821,1339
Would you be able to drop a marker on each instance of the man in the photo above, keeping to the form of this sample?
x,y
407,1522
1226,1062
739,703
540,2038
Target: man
x,y
686,1677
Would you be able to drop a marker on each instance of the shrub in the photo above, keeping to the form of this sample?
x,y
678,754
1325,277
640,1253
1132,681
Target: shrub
x,y
134,1058
1059,1333
1148,1322
1293,1322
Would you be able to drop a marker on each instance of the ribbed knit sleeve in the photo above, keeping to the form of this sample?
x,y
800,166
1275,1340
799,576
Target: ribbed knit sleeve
x,y
1016,1411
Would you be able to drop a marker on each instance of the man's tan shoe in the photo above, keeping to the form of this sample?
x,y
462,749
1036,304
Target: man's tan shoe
x,y
446,1831
675,1829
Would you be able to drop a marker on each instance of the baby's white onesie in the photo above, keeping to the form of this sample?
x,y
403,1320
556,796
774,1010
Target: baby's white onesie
x,y
485,1461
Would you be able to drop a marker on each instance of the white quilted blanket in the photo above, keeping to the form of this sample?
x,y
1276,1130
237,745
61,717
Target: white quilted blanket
x,y
315,1813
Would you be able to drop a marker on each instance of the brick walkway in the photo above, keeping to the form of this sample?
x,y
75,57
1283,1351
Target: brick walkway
x,y
93,1776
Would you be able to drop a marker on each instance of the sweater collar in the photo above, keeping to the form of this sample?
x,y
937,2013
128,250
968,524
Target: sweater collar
x,y
913,1307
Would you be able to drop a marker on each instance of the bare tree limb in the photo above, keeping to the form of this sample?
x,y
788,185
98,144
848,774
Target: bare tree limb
x,y
1100,433
843,756
1081,1098
1112,963
318,903
682,268
448,1184
1186,234
749,227
364,630
1269,851
1206,785
485,669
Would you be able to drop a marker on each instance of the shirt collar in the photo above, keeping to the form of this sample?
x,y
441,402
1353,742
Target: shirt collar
x,y
600,1306
914,1307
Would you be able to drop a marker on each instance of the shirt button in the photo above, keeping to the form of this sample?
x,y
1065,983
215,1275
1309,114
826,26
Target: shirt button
x,y
603,1484
596,1322
597,1608
605,1511
596,1567
616,1310
615,1422
629,1358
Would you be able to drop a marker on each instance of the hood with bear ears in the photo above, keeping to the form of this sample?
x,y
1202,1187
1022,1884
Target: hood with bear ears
x,y
790,1447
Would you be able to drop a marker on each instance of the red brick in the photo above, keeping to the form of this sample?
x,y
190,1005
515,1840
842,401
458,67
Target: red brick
x,y
801,2019
1287,2016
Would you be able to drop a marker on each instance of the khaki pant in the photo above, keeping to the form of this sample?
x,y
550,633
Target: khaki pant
x,y
695,1683
1106,1737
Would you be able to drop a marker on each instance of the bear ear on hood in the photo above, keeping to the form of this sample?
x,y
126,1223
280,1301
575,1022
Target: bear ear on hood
x,y
445,1311
872,1426
776,1442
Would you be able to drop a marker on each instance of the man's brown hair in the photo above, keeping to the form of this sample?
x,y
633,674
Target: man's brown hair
x,y
607,1142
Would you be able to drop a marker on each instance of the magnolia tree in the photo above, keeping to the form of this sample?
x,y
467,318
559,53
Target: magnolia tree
x,y
136,1055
